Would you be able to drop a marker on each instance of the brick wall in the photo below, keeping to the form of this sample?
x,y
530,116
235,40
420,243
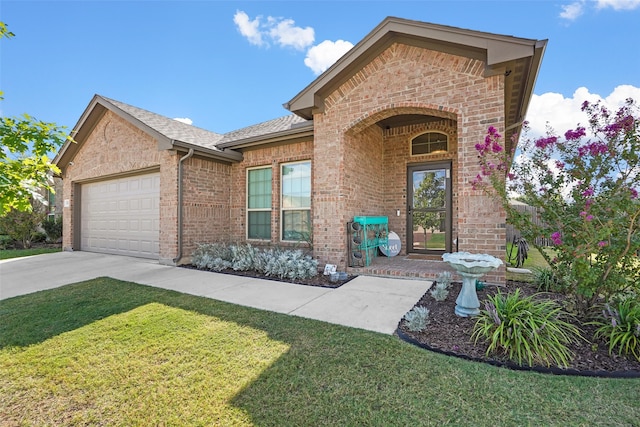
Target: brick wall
x,y
115,147
206,194
273,156
404,80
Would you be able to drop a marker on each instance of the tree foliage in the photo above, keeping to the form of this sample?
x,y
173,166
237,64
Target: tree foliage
x,y
25,168
585,187
428,197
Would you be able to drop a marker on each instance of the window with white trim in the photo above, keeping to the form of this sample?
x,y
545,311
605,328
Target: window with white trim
x,y
296,201
430,143
259,203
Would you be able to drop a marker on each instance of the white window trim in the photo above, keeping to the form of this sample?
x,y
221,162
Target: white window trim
x,y
435,153
282,208
247,210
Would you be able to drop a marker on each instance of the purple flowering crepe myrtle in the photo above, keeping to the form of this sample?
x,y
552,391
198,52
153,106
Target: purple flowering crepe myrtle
x,y
585,187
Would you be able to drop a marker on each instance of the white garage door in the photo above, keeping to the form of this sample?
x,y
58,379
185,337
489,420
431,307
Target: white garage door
x,y
122,216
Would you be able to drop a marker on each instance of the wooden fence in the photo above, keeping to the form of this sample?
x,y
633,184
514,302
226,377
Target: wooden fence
x,y
533,212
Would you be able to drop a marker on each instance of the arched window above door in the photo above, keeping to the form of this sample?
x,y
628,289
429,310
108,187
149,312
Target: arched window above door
x,y
430,143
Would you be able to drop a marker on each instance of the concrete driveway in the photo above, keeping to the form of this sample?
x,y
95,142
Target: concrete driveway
x,y
372,303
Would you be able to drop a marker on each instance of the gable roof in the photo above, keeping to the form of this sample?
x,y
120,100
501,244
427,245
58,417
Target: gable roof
x,y
516,57
169,133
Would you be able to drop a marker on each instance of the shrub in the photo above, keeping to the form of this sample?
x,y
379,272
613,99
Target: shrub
x,y
243,257
545,279
22,225
525,329
212,256
38,237
417,319
289,264
440,291
281,263
585,187
5,241
620,327
53,227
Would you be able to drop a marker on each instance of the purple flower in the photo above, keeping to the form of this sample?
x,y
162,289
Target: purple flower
x,y
588,192
495,147
512,176
593,148
589,218
556,238
572,135
543,143
602,243
634,193
559,164
583,213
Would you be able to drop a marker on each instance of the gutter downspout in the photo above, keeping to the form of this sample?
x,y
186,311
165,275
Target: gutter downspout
x,y
182,159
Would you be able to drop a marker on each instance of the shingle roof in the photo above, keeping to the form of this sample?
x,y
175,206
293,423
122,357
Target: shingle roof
x,y
170,128
179,131
280,124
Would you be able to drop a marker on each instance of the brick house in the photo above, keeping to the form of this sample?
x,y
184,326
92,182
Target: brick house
x,y
392,121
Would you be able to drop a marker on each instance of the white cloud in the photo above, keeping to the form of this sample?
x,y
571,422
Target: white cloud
x,y
282,32
565,113
325,54
572,11
285,33
249,28
185,120
618,4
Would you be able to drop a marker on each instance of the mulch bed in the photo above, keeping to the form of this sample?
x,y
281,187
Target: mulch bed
x,y
450,334
320,280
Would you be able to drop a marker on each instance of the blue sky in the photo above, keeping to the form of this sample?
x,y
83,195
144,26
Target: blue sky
x,y
225,65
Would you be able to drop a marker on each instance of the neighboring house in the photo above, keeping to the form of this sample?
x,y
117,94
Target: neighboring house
x,y
389,130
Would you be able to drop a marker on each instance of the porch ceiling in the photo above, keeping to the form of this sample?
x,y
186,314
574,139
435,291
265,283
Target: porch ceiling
x,y
406,120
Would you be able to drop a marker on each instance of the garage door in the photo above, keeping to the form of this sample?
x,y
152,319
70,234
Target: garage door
x,y
122,216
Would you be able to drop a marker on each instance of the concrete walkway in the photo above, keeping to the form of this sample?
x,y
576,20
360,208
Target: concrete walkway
x,y
372,303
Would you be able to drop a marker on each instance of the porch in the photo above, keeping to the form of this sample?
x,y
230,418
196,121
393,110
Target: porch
x,y
411,266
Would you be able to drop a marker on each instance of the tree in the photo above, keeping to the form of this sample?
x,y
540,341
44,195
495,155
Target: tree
x,y
430,194
21,226
585,187
25,168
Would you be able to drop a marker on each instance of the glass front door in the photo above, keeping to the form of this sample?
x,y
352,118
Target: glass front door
x,y
429,210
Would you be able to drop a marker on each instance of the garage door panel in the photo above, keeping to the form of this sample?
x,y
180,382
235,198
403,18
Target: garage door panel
x,y
122,216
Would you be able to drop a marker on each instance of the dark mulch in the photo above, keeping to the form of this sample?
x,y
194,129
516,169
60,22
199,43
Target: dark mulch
x,y
320,280
450,333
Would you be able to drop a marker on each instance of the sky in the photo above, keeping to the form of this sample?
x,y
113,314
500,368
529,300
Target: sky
x,y
224,65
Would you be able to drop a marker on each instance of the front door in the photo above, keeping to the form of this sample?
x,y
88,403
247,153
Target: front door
x,y
429,208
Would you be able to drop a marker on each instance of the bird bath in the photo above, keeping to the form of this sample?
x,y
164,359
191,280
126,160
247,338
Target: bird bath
x,y
470,267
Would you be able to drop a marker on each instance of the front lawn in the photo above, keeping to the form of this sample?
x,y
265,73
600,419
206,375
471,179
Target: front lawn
x,y
17,253
106,352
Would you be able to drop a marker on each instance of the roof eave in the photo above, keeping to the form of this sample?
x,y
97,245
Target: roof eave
x,y
494,49
289,135
228,156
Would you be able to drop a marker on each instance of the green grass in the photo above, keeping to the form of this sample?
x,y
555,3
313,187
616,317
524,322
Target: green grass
x,y
17,253
534,260
106,352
